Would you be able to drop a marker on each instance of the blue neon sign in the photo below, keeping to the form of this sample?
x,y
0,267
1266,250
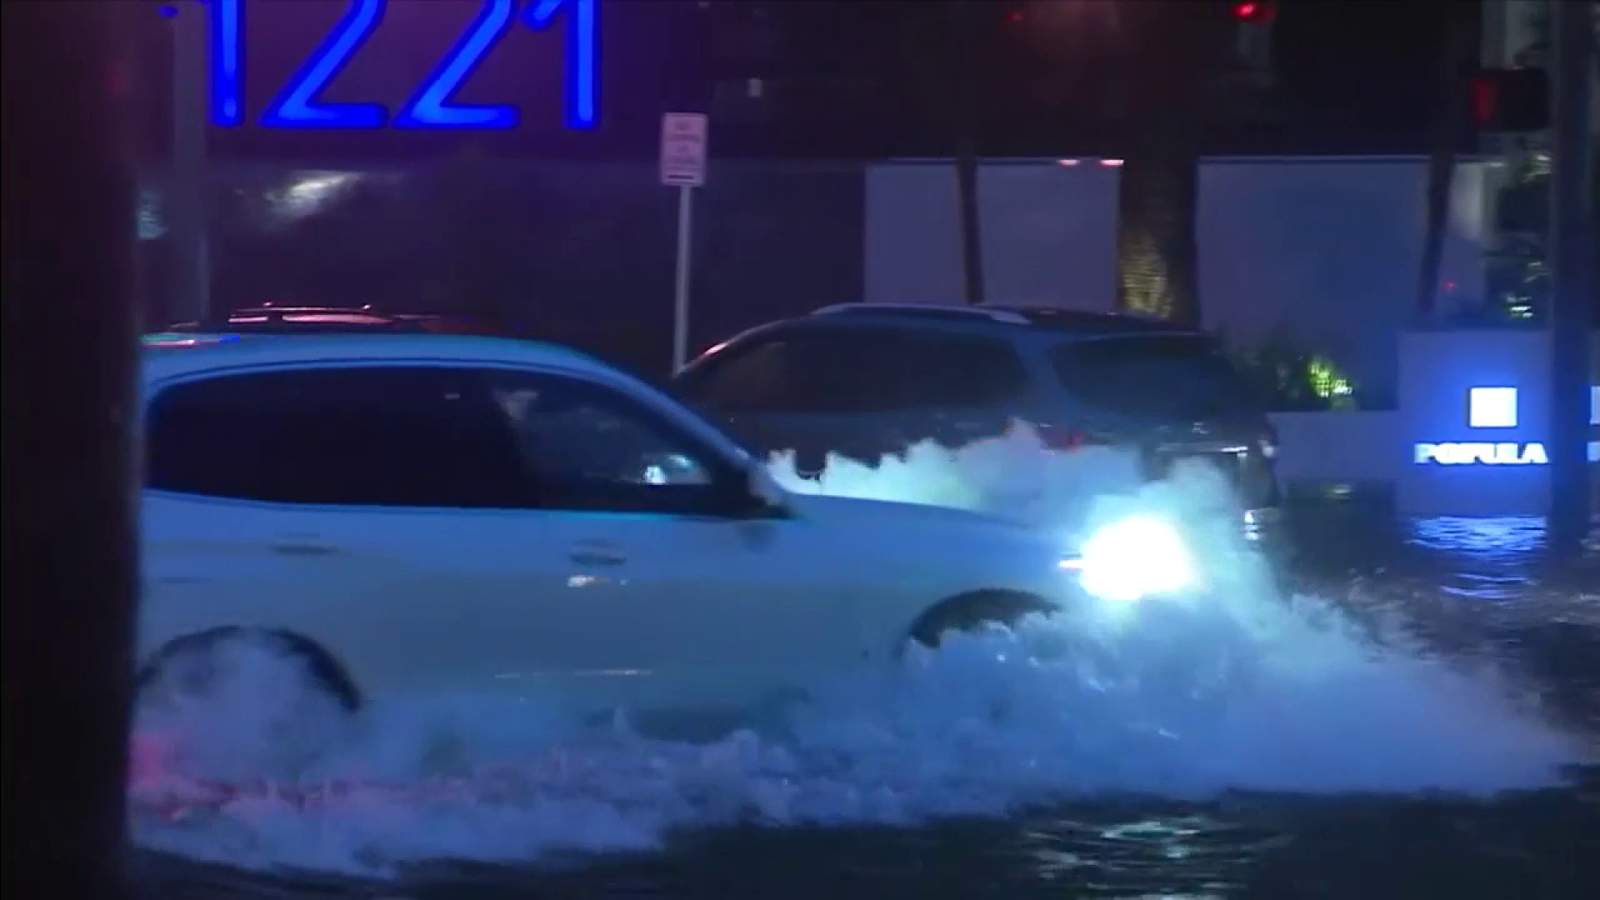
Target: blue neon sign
x,y
296,104
1466,453
430,107
227,61
1496,408
583,55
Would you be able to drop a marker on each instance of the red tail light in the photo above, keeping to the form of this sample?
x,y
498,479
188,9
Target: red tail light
x,y
1058,437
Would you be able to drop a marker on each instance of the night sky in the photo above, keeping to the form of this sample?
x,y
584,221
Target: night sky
x,y
861,80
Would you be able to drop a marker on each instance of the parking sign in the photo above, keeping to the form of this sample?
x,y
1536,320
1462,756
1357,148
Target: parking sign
x,y
683,149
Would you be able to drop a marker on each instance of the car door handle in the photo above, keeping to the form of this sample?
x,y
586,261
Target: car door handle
x,y
303,547
597,555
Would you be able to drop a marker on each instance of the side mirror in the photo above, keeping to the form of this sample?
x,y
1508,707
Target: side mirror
x,y
765,491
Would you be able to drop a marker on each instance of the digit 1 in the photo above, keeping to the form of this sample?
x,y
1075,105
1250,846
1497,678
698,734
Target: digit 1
x,y
582,52
227,62
297,107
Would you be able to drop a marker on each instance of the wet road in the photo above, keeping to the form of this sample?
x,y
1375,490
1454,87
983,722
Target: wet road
x,y
1465,589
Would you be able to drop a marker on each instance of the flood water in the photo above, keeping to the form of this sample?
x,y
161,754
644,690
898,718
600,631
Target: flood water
x,y
1470,592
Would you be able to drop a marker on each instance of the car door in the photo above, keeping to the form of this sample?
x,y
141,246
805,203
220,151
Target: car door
x,y
378,510
693,592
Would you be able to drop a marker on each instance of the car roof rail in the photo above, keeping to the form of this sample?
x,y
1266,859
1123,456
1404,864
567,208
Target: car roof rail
x,y
928,310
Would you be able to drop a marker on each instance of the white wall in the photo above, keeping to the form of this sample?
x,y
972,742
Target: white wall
x,y
1048,232
1326,251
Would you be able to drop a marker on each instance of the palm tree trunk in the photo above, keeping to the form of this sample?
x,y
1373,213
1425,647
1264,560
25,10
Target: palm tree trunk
x,y
1157,270
1442,159
962,37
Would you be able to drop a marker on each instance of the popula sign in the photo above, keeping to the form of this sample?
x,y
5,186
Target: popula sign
x,y
1505,453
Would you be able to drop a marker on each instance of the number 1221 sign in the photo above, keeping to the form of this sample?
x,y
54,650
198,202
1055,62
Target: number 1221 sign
x,y
296,103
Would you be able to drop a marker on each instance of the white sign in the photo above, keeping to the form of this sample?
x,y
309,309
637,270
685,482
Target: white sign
x,y
1492,407
683,149
1467,454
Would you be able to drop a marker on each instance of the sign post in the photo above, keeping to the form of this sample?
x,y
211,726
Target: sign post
x,y
683,165
1572,220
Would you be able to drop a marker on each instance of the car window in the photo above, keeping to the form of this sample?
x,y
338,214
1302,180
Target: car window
x,y
424,436
1170,376
389,436
587,446
958,371
858,370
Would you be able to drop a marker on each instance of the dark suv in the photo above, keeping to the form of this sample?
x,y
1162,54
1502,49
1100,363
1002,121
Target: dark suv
x,y
867,379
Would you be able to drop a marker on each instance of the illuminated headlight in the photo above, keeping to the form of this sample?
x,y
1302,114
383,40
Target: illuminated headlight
x,y
1133,558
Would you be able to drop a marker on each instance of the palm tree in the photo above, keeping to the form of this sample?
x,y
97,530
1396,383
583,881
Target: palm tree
x,y
1455,59
1166,107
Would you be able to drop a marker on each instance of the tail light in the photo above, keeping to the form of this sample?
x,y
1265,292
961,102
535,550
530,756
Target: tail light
x,y
1059,437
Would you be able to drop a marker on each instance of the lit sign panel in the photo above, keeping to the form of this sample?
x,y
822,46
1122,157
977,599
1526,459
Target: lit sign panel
x,y
1492,407
1487,407
1466,454
1496,407
296,103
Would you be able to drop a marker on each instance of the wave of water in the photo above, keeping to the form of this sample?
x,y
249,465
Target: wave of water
x,y
1235,689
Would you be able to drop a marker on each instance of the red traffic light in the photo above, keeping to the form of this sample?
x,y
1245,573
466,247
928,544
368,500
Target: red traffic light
x,y
1510,100
1254,12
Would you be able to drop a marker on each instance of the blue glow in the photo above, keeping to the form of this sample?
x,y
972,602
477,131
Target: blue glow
x,y
583,55
170,340
1504,453
1492,407
429,107
297,107
227,54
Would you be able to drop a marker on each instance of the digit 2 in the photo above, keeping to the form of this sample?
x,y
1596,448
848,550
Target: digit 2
x,y
429,106
296,106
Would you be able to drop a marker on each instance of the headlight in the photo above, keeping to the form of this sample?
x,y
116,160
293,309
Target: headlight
x,y
1134,558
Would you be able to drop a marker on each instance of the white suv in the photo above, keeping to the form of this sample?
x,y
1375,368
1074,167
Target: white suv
x,y
416,514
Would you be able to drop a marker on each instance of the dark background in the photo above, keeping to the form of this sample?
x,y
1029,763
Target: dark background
x,y
567,235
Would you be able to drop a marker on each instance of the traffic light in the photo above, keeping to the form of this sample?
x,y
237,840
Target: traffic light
x,y
1510,100
1254,12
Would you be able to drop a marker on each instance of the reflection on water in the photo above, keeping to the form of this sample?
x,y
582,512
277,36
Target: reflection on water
x,y
1493,558
1498,538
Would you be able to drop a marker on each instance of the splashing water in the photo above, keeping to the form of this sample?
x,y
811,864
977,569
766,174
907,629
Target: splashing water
x,y
1235,688
1013,476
